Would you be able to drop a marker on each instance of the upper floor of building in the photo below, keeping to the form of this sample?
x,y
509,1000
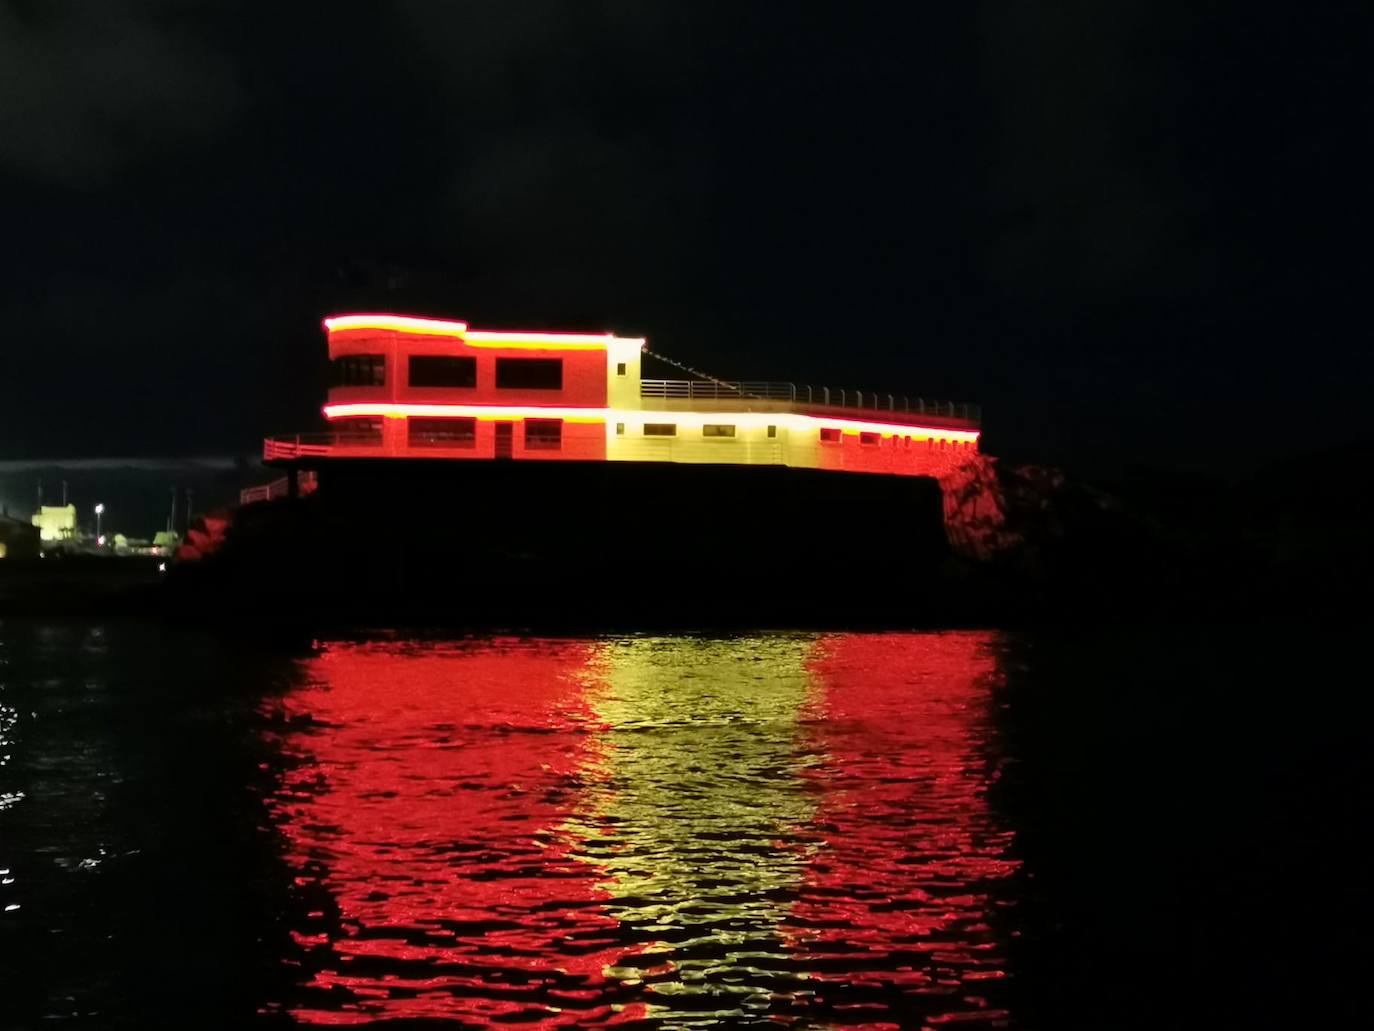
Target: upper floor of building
x,y
404,360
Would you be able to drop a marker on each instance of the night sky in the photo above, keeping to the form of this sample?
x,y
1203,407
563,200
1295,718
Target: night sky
x,y
1137,232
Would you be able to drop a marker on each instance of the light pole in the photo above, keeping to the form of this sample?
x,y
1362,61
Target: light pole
x,y
99,537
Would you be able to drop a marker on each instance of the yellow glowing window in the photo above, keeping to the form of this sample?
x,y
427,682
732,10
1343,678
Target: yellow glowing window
x,y
830,435
717,430
660,429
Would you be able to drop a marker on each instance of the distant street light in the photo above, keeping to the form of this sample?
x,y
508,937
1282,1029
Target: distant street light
x,y
99,537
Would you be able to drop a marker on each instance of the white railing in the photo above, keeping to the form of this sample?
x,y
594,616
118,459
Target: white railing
x,y
279,488
796,393
302,445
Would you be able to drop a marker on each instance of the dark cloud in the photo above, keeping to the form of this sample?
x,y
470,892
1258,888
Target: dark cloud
x,y
88,87
1083,215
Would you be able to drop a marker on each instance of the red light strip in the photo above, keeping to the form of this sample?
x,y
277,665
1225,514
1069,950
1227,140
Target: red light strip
x,y
484,412
394,410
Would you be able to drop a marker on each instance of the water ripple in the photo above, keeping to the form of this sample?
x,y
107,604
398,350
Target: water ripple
x,y
787,829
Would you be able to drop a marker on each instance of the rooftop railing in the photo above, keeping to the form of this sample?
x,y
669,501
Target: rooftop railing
x,y
796,393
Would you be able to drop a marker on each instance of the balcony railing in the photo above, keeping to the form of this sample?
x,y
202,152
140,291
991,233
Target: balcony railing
x,y
802,394
302,445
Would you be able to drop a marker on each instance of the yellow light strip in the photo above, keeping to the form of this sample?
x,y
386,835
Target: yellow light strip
x,y
748,420
544,341
396,324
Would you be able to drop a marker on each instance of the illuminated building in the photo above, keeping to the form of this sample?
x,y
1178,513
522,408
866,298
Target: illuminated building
x,y
56,523
419,388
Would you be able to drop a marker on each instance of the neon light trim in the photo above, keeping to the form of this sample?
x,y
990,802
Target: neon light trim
x,y
484,413
753,420
478,338
396,324
547,341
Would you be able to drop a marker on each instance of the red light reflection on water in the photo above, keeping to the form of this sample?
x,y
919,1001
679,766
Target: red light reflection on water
x,y
426,803
799,823
897,899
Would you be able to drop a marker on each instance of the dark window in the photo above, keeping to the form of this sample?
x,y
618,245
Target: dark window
x,y
435,370
772,431
358,370
716,430
870,439
830,435
660,429
442,432
358,431
545,434
620,429
620,368
529,373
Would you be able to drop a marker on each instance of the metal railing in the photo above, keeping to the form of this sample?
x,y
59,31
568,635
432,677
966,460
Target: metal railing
x,y
301,445
278,488
796,393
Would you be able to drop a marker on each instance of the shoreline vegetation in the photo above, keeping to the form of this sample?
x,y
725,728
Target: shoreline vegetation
x,y
711,550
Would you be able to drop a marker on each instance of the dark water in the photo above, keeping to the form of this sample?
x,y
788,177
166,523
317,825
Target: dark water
x,y
943,830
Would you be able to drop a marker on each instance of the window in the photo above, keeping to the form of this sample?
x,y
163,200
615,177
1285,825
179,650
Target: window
x,y
620,429
870,439
358,431
906,443
436,370
830,435
529,373
358,370
543,434
660,429
620,368
442,432
717,430
772,431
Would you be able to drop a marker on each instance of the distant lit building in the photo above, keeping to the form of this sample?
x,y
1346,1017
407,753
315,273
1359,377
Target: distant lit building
x,y
56,522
